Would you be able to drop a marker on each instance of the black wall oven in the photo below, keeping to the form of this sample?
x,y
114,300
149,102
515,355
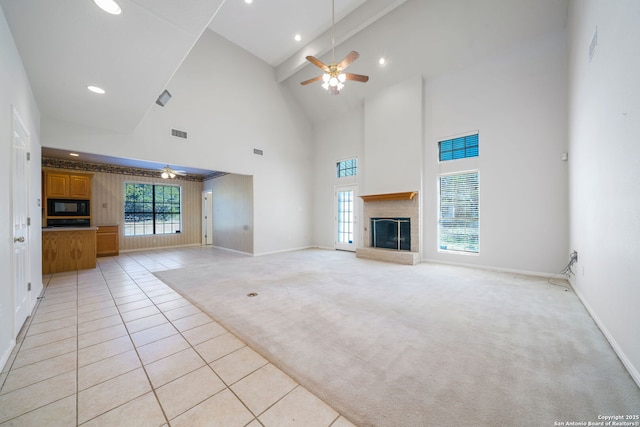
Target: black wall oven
x,y
68,207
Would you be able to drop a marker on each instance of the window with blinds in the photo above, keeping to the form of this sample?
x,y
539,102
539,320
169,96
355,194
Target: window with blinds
x,y
459,148
459,216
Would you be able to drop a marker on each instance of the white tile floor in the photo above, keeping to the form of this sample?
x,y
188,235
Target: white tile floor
x,y
115,346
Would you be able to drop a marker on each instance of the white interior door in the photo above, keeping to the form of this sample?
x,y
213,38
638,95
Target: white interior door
x,y
20,176
345,218
207,218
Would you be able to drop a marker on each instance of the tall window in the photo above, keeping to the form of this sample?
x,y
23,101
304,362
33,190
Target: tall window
x,y
151,209
458,224
459,148
347,168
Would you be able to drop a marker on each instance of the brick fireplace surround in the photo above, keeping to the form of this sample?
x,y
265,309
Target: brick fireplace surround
x,y
392,205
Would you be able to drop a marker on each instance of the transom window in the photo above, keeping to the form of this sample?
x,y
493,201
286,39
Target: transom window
x,y
151,209
347,168
459,217
459,148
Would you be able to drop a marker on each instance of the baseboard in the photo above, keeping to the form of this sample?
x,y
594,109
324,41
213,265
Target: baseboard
x,y
159,247
614,344
285,250
500,269
6,355
232,250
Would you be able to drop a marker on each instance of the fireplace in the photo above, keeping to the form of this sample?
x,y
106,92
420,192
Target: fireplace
x,y
392,228
391,233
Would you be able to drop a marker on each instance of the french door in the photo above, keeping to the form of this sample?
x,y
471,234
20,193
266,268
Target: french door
x,y
346,218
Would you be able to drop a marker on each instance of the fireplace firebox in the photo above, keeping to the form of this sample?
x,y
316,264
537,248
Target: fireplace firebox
x,y
391,233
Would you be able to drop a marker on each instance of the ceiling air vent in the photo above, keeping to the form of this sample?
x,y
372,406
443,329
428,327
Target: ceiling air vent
x,y
179,133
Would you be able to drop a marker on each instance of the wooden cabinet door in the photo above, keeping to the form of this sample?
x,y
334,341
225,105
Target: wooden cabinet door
x,y
107,240
57,185
79,187
84,249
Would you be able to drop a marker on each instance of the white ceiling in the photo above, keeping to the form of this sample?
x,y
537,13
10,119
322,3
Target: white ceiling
x,y
66,45
266,28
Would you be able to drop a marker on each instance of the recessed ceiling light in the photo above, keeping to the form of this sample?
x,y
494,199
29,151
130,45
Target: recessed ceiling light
x,y
74,154
96,89
248,1
382,61
109,6
297,37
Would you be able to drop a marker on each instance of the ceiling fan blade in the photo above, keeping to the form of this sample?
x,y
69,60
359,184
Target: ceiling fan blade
x,y
357,77
315,79
352,56
318,63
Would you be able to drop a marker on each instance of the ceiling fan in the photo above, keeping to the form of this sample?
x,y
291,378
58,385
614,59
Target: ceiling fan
x,y
334,75
167,172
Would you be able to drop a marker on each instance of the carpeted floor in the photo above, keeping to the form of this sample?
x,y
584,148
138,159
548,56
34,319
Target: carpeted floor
x,y
425,345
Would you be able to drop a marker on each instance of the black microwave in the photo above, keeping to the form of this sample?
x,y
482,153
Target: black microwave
x,y
64,207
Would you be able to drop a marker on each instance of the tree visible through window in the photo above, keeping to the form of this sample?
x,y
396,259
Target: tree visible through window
x,y
458,224
151,209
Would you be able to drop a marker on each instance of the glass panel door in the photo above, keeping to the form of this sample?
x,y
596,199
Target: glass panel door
x,y
345,219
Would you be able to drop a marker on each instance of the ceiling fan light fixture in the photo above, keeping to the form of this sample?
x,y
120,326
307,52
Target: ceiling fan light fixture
x,y
333,77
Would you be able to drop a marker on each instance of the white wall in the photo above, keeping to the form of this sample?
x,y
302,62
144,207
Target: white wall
x,y
517,102
15,91
393,139
604,149
229,103
516,98
232,199
341,139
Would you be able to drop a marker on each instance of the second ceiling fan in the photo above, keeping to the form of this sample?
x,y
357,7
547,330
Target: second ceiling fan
x,y
334,75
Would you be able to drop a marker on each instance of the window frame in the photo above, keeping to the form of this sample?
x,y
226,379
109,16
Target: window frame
x,y
462,146
353,169
153,212
469,248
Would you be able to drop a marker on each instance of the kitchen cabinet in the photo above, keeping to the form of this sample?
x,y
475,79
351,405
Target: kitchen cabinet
x,y
67,186
107,240
68,249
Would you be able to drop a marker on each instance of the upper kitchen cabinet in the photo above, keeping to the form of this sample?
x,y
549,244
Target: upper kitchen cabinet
x,y
67,185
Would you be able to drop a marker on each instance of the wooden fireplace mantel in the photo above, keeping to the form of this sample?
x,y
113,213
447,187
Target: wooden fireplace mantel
x,y
409,195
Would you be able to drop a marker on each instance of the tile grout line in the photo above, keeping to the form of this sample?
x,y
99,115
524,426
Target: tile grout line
x,y
227,387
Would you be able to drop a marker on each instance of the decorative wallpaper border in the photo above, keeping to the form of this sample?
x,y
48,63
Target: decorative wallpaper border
x,y
121,170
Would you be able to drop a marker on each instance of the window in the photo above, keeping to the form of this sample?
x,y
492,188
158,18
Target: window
x,y
459,148
347,168
458,223
151,209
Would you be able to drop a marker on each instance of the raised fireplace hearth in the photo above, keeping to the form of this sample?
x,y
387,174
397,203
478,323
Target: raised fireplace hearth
x,y
392,233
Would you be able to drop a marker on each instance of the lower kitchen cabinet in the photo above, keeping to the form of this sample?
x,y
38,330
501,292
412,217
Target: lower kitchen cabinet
x,y
107,240
68,250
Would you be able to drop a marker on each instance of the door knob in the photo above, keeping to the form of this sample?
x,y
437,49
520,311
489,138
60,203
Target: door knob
x,y
18,239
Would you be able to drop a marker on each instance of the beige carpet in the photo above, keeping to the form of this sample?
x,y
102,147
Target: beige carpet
x,y
425,345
